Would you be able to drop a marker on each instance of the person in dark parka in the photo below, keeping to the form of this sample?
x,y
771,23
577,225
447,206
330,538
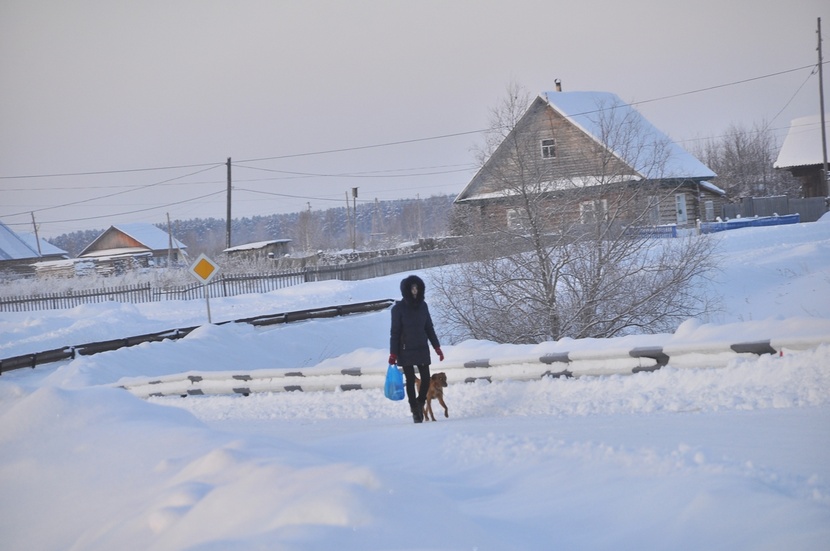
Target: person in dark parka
x,y
411,334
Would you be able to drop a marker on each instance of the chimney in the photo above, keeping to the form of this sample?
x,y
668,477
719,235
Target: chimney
x,y
558,85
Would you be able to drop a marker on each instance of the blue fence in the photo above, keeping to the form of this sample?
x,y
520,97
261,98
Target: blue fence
x,y
734,224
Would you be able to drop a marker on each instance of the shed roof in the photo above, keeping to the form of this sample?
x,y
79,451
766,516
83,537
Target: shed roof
x,y
256,245
802,146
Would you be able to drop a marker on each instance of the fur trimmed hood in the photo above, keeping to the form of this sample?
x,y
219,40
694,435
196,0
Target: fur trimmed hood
x,y
406,285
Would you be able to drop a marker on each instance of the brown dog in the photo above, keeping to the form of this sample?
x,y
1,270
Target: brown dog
x,y
437,383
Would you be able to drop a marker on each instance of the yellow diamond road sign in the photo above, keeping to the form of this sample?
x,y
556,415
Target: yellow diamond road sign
x,y
204,269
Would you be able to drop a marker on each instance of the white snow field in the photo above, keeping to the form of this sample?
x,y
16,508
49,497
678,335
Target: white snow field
x,y
716,450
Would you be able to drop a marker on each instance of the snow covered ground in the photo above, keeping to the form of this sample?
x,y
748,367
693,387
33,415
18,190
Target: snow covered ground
x,y
729,457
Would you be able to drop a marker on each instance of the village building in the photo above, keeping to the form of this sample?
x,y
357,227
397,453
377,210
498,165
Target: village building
x,y
19,252
801,155
274,248
128,246
581,153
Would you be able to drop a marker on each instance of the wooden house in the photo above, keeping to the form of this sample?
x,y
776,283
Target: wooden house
x,y
139,244
588,155
19,252
801,155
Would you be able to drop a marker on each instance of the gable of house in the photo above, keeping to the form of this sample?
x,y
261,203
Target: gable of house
x,y
127,239
594,138
569,142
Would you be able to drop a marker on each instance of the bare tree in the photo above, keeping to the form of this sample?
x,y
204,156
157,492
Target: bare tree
x,y
743,158
571,262
308,232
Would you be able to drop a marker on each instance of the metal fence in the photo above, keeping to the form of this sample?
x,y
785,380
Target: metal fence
x,y
72,351
228,285
809,209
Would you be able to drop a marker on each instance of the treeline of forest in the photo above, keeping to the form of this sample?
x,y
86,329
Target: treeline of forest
x,y
378,225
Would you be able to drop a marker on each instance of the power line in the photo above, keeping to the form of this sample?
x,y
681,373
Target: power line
x,y
360,147
318,198
286,195
99,172
709,88
137,210
290,174
138,188
769,123
392,143
370,174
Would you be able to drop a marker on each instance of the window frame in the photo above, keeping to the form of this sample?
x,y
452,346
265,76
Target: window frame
x,y
593,211
547,148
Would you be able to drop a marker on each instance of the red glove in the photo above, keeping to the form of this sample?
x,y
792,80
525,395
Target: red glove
x,y
393,359
440,354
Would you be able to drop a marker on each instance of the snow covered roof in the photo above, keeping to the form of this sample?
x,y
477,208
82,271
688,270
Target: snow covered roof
x,y
150,236
14,247
712,187
802,146
584,110
113,253
257,245
46,248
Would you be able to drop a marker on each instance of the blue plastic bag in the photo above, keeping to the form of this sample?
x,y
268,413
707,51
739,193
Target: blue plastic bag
x,y
393,389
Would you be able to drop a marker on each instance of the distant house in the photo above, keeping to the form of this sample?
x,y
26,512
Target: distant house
x,y
801,155
594,146
20,251
140,244
274,248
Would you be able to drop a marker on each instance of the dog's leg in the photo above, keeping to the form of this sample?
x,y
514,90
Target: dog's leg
x,y
443,405
428,410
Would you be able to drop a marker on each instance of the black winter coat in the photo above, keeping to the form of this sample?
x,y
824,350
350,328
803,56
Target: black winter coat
x,y
412,330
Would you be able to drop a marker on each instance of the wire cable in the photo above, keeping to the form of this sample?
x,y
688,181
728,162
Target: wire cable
x,y
372,174
99,172
399,142
80,201
210,166
134,211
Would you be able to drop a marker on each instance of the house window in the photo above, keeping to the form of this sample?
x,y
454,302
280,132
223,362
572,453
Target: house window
x,y
653,214
515,219
591,212
710,210
680,204
548,148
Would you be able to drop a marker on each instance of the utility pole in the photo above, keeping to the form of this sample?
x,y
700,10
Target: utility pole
x,y
354,226
37,239
228,219
308,228
169,243
826,185
348,215
420,220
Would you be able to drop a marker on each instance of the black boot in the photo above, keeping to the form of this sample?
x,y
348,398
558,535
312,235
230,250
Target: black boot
x,y
417,414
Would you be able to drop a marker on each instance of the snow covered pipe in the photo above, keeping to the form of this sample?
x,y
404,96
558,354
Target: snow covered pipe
x,y
555,365
69,352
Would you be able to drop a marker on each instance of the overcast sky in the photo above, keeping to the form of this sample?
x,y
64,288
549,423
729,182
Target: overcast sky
x,y
311,98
